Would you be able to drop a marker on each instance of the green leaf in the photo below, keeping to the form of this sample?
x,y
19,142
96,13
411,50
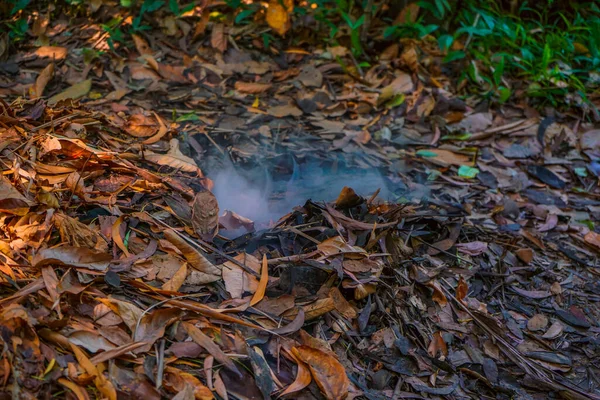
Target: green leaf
x,y
426,153
396,101
188,117
459,136
467,172
151,5
445,41
243,15
126,3
19,6
174,7
581,172
503,94
454,55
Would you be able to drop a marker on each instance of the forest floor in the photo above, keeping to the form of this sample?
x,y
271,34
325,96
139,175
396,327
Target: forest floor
x,y
192,215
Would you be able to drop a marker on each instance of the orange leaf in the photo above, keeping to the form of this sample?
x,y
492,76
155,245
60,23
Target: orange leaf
x,y
327,371
218,39
42,80
79,392
302,377
278,17
462,289
262,284
438,294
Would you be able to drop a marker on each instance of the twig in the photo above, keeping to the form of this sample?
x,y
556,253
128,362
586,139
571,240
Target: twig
x,y
367,24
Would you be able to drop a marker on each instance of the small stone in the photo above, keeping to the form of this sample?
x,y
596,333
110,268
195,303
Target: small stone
x,y
537,323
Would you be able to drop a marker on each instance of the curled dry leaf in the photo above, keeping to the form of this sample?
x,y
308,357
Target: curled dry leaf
x,y
302,379
206,342
278,15
461,289
327,372
437,345
218,39
237,281
177,280
262,284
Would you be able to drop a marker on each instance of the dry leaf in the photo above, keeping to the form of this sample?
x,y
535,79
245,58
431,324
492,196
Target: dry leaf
x,y
177,280
203,340
262,284
141,45
205,215
284,111
75,92
174,159
42,80
141,126
302,376
252,87
54,52
218,39
437,345
461,289
402,84
327,372
237,281
208,271
78,257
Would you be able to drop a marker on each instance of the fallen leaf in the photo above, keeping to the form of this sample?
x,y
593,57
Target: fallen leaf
x,y
252,87
209,272
461,289
54,52
437,345
174,159
537,323
278,16
262,284
402,84
205,215
78,257
302,379
284,111
203,340
74,92
141,126
177,280
327,372
593,239
525,254
218,39
42,80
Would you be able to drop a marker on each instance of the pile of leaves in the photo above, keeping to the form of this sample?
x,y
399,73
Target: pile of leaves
x,y
113,284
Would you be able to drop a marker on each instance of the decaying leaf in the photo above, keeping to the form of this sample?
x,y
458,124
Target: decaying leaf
x,y
75,92
205,215
208,271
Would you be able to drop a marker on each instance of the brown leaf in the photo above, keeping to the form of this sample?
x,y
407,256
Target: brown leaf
x,y
284,111
152,326
437,345
538,322
78,257
438,294
409,14
593,239
205,215
555,330
177,280
445,158
262,284
174,159
218,39
203,340
77,390
461,289
140,125
532,294
337,245
525,255
11,200
51,282
348,198
401,84
342,305
209,272
141,45
42,80
252,87
327,372
74,92
237,281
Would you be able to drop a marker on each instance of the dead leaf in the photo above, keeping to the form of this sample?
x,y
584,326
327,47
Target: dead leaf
x,y
337,245
252,87
262,284
78,257
141,126
525,255
208,271
302,379
437,345
174,159
461,289
42,80
200,338
327,372
11,200
401,84
438,294
593,239
218,39
177,280
205,215
75,92
141,45
284,111
538,322
54,52
237,281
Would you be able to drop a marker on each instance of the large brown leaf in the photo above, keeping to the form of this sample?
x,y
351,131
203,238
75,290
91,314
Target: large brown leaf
x,y
208,271
327,372
205,215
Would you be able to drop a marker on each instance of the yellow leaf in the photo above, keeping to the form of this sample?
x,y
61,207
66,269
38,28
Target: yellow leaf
x,y
278,17
177,280
75,92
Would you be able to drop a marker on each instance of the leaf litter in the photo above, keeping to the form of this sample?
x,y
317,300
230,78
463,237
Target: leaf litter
x,y
472,273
